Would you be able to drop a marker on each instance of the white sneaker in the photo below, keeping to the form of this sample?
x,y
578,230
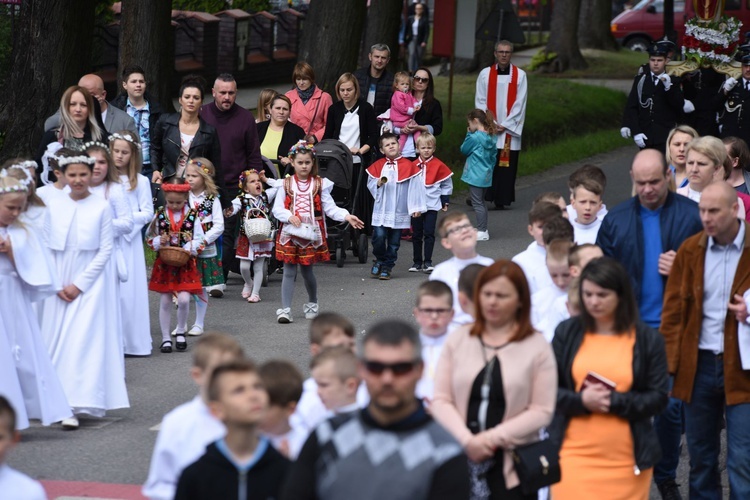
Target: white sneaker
x,y
483,235
284,315
70,424
195,331
311,310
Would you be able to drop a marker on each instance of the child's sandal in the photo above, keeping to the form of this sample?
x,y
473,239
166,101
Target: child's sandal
x,y
166,347
180,346
246,291
254,298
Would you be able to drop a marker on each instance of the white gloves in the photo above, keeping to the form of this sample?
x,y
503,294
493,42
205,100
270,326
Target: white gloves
x,y
625,132
688,106
729,84
640,140
666,80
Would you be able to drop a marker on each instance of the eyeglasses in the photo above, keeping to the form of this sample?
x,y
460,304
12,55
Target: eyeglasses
x,y
398,369
430,312
459,229
421,80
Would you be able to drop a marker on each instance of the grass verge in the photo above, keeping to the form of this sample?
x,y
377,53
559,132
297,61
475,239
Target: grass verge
x,y
622,64
565,122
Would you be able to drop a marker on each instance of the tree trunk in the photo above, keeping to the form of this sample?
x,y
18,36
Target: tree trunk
x,y
593,25
383,25
51,50
147,40
330,38
484,50
563,40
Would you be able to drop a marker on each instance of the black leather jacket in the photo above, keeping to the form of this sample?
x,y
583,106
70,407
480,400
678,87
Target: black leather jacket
x,y
646,398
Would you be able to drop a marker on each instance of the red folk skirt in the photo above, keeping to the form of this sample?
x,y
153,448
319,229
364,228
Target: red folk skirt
x,y
168,279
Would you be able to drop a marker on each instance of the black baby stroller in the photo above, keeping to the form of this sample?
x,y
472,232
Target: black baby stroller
x,y
335,164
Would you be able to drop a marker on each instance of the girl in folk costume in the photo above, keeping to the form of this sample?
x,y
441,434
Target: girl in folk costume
x,y
27,377
302,239
33,215
136,322
80,323
175,225
481,155
438,189
252,203
502,90
204,199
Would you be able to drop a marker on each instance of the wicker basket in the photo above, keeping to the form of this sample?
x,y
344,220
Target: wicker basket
x,y
258,229
174,256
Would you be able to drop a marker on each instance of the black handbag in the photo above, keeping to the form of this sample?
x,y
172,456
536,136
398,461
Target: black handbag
x,y
537,465
157,195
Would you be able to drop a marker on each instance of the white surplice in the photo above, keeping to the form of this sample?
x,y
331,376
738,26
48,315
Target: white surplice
x,y
27,377
136,321
82,335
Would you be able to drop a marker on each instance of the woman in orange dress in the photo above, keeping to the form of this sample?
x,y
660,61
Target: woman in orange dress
x,y
612,380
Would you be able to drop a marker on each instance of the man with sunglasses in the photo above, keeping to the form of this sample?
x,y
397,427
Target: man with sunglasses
x,y
501,89
392,448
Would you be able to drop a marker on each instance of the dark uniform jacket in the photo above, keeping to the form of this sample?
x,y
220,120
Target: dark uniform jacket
x,y
701,88
652,110
734,119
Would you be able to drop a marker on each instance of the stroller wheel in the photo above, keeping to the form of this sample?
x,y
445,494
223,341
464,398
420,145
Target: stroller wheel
x,y
265,273
362,248
340,256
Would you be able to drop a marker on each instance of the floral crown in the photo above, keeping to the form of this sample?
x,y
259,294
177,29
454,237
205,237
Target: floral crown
x,y
69,160
200,165
116,136
176,188
23,184
302,147
244,175
95,144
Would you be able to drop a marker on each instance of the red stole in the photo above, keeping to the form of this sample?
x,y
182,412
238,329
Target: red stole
x,y
406,169
504,156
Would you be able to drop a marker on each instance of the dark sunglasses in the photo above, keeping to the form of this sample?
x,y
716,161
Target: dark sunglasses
x,y
421,80
402,368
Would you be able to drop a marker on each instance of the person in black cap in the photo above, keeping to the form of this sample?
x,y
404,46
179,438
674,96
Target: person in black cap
x,y
655,102
734,119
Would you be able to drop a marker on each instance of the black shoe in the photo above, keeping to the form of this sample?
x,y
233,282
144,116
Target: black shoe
x,y
166,347
669,490
180,345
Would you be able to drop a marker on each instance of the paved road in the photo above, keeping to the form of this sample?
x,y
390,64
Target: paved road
x,y
117,449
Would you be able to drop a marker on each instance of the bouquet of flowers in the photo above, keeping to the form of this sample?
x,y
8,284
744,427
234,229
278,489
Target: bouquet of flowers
x,y
711,42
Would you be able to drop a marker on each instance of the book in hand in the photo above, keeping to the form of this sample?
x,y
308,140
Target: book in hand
x,y
595,378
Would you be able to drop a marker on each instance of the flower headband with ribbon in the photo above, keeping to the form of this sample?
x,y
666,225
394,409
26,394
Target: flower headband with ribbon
x,y
200,165
95,144
302,147
23,184
244,175
116,136
70,160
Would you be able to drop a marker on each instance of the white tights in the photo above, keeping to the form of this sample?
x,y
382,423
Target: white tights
x,y
165,313
257,266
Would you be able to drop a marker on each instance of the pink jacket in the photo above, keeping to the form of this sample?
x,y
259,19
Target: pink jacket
x,y
402,108
303,114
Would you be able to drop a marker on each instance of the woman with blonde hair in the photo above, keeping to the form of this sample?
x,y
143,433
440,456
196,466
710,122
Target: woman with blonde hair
x,y
676,152
309,103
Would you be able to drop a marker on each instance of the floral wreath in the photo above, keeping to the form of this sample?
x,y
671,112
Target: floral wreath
x,y
713,42
95,144
176,188
243,177
200,165
302,147
69,160
116,136
23,184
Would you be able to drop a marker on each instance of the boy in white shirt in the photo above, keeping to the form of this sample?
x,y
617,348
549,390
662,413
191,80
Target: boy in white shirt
x,y
327,330
532,260
283,383
590,172
14,484
458,235
559,271
433,311
334,370
187,430
586,201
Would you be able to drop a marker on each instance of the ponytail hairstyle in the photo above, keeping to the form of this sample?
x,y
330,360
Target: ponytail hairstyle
x,y
207,171
24,170
486,118
136,161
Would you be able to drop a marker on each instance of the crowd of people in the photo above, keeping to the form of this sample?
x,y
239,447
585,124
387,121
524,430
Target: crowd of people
x,y
571,370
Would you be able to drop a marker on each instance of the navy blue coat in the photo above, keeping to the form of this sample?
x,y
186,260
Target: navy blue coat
x,y
621,233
